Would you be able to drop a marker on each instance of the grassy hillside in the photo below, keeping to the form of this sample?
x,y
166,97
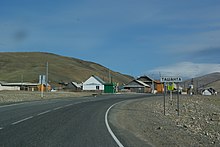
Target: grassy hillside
x,y
27,66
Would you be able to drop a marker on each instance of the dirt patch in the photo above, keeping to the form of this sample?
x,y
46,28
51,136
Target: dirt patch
x,y
197,125
20,96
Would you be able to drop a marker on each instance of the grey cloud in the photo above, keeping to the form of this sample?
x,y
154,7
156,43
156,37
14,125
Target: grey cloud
x,y
208,55
188,69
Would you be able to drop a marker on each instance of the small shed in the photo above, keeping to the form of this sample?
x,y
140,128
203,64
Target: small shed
x,y
73,86
44,87
110,88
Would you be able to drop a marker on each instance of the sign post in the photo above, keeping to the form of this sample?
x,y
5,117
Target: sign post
x,y
42,81
170,87
170,79
164,99
178,100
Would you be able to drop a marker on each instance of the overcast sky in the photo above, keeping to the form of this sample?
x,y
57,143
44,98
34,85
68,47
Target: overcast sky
x,y
135,37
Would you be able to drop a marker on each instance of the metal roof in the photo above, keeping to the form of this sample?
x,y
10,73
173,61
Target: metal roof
x,y
77,85
19,84
99,79
141,84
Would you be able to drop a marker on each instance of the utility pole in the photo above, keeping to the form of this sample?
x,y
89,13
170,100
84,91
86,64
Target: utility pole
x,y
152,83
109,75
22,81
47,76
42,86
178,100
164,99
22,78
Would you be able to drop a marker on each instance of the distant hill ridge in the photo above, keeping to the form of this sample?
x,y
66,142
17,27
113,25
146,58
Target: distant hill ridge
x,y
27,66
206,81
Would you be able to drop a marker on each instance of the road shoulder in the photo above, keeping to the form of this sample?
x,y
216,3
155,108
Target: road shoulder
x,y
142,121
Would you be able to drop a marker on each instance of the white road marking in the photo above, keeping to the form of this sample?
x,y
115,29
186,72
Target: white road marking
x,y
22,120
108,127
57,108
68,105
12,105
43,112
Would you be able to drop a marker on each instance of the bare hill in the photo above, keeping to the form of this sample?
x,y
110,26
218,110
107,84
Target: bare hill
x,y
27,66
206,81
215,85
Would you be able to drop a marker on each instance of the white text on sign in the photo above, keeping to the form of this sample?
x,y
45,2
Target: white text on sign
x,y
170,79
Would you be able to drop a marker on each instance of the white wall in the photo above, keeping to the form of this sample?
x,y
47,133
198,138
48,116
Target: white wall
x,y
206,92
9,88
92,87
91,84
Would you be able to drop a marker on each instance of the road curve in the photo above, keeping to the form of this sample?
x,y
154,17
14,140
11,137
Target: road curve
x,y
56,123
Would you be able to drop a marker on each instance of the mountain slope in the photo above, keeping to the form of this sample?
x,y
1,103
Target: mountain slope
x,y
206,81
215,85
27,66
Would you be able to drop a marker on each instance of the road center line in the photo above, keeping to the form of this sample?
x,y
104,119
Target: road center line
x,y
1,128
12,105
14,123
68,105
108,127
57,108
43,112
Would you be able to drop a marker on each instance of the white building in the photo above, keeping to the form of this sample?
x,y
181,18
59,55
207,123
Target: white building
x,y
206,92
93,83
209,91
9,87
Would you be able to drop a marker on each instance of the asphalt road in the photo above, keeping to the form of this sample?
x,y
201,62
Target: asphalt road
x,y
78,122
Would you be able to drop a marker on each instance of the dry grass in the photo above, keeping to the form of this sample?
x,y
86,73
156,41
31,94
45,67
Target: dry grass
x,y
20,96
33,64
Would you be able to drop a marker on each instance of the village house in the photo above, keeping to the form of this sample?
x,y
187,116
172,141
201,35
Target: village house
x,y
5,87
25,86
209,91
94,83
20,86
138,87
73,86
156,85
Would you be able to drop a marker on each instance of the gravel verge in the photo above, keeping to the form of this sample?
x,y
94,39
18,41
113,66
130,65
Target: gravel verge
x,y
197,125
21,96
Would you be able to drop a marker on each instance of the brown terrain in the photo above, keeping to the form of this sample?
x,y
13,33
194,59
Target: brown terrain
x,y
27,66
143,121
197,125
24,96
